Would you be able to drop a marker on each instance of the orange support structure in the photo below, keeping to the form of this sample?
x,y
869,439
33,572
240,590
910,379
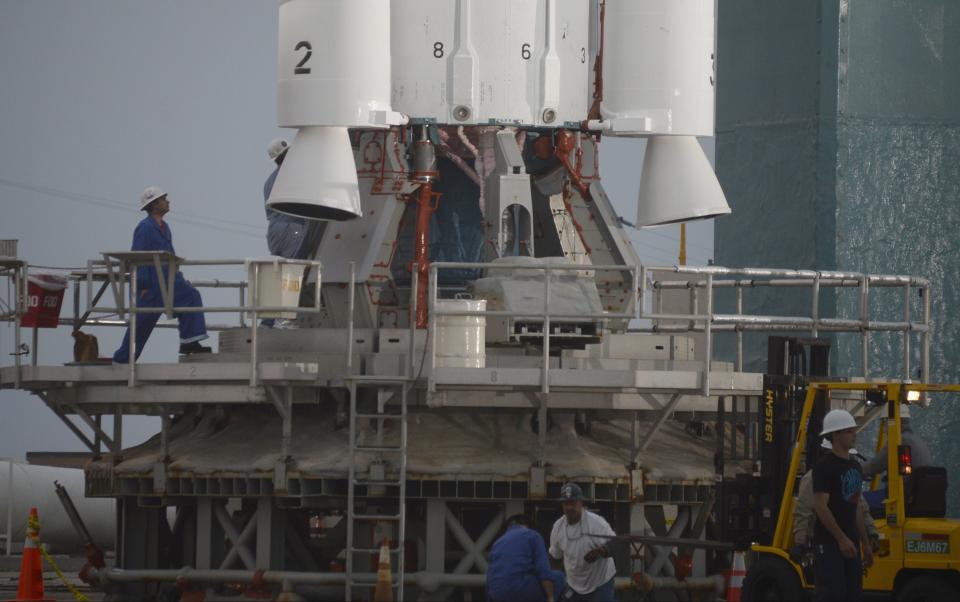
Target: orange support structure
x,y
425,209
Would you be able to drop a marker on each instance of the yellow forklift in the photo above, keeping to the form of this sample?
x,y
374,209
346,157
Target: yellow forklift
x,y
919,549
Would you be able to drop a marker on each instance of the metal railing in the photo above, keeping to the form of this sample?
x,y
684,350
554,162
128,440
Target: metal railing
x,y
118,272
545,315
129,264
705,281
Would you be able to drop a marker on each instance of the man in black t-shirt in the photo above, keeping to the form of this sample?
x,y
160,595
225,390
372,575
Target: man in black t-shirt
x,y
837,483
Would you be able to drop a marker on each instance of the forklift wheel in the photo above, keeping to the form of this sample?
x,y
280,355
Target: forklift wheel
x,y
928,587
771,579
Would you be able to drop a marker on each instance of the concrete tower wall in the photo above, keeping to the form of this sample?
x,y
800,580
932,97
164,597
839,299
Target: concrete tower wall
x,y
838,146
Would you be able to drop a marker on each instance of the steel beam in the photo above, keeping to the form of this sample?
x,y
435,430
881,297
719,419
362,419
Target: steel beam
x,y
655,427
661,554
474,549
271,531
237,539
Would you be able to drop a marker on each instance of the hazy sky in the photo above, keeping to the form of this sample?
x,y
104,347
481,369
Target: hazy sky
x,y
101,98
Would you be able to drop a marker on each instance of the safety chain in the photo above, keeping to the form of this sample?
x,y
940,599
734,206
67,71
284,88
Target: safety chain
x,y
33,527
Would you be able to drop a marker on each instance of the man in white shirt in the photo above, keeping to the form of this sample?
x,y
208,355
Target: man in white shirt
x,y
586,559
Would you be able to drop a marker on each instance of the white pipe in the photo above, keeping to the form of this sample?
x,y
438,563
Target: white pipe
x,y
32,486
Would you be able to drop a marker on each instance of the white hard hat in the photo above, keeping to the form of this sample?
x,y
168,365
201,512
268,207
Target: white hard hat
x,y
149,195
837,420
825,444
276,148
904,410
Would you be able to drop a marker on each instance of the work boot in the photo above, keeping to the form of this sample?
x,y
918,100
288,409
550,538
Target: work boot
x,y
194,347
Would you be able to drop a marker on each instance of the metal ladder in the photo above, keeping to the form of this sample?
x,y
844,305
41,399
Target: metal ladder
x,y
382,417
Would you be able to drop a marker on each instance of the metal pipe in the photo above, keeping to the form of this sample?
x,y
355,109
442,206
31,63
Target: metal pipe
x,y
925,338
222,309
412,323
422,248
708,354
443,265
865,320
216,283
171,276
546,331
243,319
351,299
815,305
775,283
111,323
769,326
739,362
132,359
582,317
89,283
906,334
429,582
647,583
34,343
891,280
432,332
253,324
20,292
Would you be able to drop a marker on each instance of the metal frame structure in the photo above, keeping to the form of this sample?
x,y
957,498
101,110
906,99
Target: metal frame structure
x,y
705,280
647,396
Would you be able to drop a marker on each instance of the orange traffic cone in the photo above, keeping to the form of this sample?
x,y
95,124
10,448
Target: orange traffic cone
x,y
739,571
384,590
30,588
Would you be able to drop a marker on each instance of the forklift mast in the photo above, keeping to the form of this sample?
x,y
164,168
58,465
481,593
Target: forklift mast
x,y
750,503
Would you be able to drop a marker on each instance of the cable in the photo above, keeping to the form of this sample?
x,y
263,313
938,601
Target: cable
x,y
664,236
186,218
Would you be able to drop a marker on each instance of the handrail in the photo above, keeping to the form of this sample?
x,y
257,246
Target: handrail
x,y
709,322
544,315
129,264
117,270
814,323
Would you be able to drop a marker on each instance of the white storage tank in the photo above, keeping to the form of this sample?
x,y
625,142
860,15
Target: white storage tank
x,y
461,339
32,486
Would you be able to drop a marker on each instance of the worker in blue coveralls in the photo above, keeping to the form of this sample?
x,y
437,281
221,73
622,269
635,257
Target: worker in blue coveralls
x,y
286,234
518,568
153,234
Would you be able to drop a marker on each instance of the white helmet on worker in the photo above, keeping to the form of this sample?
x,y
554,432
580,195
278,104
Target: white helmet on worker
x,y
276,148
837,420
149,195
826,444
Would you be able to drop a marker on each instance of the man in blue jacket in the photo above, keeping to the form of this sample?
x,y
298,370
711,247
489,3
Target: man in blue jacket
x,y
518,568
153,234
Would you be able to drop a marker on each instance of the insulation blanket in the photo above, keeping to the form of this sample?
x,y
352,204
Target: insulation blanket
x,y
476,445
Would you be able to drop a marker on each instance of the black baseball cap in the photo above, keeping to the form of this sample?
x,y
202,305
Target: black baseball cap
x,y
571,492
